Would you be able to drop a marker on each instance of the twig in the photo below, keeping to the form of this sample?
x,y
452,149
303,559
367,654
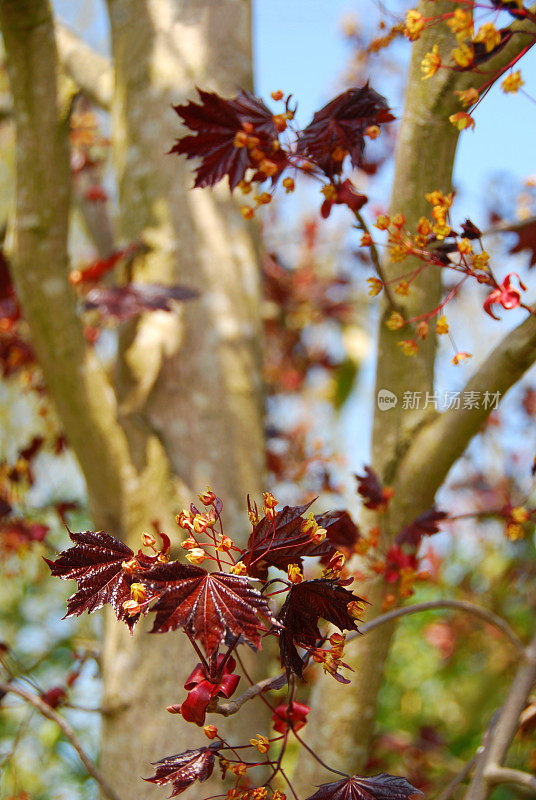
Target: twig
x,y
227,709
458,778
517,777
67,731
460,605
376,260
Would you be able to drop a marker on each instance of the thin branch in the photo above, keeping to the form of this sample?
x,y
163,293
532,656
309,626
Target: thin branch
x,y
227,709
439,443
459,605
523,780
376,260
67,731
458,778
505,729
90,71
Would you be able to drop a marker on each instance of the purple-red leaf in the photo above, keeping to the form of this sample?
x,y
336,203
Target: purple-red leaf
x,y
207,605
369,487
526,238
96,563
339,128
306,603
377,787
125,302
281,541
342,532
424,525
222,128
185,768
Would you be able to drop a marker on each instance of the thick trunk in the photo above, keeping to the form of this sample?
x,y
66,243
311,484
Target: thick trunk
x,y
343,717
188,384
187,406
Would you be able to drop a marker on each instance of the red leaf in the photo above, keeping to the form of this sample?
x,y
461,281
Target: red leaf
x,y
125,302
293,712
377,787
96,563
217,122
371,490
306,603
281,541
208,605
201,689
425,525
526,238
340,126
342,532
185,768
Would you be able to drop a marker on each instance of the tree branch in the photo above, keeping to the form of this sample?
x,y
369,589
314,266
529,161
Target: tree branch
x,y
523,780
459,605
439,443
90,71
46,711
39,258
490,764
268,684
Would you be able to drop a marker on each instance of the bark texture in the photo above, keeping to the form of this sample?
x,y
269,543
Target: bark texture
x,y
185,407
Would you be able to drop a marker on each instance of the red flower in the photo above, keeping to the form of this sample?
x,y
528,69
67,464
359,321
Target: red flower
x,y
505,295
294,713
201,690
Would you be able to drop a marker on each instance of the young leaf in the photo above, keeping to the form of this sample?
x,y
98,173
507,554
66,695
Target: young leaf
x,y
96,563
185,768
339,128
342,532
377,787
208,605
371,490
281,541
306,603
424,525
219,124
125,302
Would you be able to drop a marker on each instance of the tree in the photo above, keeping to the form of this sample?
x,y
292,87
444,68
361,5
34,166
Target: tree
x,y
136,443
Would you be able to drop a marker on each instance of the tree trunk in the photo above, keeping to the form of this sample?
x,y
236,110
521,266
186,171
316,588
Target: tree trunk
x,y
186,409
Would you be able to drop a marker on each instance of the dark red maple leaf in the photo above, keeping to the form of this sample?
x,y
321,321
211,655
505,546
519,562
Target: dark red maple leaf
x,y
377,787
185,768
96,563
369,487
125,302
342,532
424,525
526,238
281,541
306,604
231,137
294,713
208,605
345,194
339,128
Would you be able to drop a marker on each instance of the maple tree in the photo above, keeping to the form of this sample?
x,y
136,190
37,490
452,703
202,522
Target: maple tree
x,y
141,465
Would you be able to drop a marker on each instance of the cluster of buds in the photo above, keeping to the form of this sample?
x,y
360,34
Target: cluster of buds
x,y
311,527
261,743
294,573
515,520
331,659
138,595
270,504
368,542
334,566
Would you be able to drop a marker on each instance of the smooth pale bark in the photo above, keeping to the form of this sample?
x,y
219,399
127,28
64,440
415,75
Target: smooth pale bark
x,y
186,409
188,384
